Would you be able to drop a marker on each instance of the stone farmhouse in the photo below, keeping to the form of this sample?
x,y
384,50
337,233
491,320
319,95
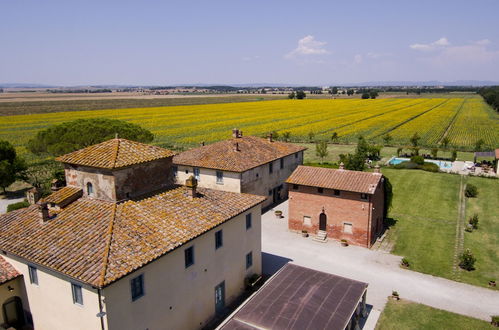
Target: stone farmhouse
x,y
337,203
122,247
243,164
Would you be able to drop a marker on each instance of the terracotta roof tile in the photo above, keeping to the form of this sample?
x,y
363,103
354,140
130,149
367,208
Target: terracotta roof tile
x,y
115,153
98,242
362,182
7,271
63,195
252,152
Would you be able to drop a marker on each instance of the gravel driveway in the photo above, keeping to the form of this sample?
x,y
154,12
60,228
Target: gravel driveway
x,y
4,202
381,270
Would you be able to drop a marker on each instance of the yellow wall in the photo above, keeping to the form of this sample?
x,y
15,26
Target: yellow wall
x,y
208,178
51,301
190,293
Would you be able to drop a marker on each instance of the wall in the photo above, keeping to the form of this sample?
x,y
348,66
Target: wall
x,y
102,180
143,178
180,298
51,301
208,178
19,291
348,207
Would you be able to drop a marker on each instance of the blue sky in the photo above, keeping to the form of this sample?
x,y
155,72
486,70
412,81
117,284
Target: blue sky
x,y
230,42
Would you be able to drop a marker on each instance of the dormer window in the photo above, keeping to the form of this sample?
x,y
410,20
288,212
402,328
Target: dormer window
x,y
90,189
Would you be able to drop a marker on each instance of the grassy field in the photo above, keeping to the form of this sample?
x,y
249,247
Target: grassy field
x,y
425,212
189,125
406,315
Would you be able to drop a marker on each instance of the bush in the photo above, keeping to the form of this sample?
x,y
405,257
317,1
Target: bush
x,y
467,260
17,206
471,191
406,165
405,262
495,320
473,221
430,167
454,155
417,159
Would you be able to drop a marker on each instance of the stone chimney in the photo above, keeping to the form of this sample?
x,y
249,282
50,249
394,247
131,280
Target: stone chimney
x,y
191,183
376,169
236,147
43,212
342,166
236,133
270,137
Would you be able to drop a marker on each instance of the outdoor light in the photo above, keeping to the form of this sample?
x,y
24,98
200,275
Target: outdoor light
x,y
10,288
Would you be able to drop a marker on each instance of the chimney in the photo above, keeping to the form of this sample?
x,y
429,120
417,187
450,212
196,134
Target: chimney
x,y
236,147
270,137
235,133
342,166
376,169
191,183
202,144
44,212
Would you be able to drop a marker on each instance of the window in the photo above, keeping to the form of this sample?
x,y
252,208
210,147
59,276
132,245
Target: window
x,y
336,192
271,168
249,260
270,192
77,294
90,189
175,171
363,196
249,221
186,171
137,287
307,221
282,163
195,170
219,239
189,256
220,177
347,228
295,187
33,275
320,190
296,155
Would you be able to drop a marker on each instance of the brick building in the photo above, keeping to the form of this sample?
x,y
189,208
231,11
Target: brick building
x,y
339,204
243,164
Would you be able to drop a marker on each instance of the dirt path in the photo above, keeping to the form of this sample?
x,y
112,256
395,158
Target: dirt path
x,y
460,224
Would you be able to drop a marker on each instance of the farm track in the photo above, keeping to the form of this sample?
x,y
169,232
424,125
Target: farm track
x,y
447,130
460,224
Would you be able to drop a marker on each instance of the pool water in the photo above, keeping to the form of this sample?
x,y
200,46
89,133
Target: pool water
x,y
441,163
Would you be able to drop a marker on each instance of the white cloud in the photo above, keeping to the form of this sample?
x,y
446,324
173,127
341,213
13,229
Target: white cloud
x,y
308,46
378,55
483,42
440,43
357,59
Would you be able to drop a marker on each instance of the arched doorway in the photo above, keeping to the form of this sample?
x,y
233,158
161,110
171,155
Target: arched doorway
x,y
13,314
323,221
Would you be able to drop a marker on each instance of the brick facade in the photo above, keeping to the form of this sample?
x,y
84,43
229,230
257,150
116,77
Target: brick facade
x,y
343,212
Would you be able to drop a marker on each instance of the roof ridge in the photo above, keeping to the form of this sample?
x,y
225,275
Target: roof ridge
x,y
102,277
116,152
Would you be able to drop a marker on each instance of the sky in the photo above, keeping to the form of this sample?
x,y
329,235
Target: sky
x,y
247,42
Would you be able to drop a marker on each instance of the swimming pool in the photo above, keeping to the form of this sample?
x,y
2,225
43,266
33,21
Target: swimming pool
x,y
441,163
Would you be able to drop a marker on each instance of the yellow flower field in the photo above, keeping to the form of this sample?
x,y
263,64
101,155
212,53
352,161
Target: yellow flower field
x,y
463,120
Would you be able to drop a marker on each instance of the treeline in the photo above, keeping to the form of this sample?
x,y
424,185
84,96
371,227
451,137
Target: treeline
x,y
101,90
491,96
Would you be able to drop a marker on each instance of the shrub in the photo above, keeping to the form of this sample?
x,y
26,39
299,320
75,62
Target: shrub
x,y
407,165
473,221
471,191
430,167
417,159
405,262
454,155
395,294
495,320
467,260
17,206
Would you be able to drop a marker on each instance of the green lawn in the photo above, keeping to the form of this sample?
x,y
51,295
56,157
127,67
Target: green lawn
x,y
405,315
484,242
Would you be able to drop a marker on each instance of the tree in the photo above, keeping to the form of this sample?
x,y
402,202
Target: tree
x,y
445,142
300,95
335,137
350,92
373,94
467,260
365,96
471,191
399,151
415,139
334,90
357,161
321,150
311,136
387,138
12,167
286,136
275,135
73,135
479,145
291,95
434,152
454,155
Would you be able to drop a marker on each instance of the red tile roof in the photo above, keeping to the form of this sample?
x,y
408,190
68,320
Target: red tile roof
x,y
98,242
7,271
115,153
62,196
237,154
362,182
